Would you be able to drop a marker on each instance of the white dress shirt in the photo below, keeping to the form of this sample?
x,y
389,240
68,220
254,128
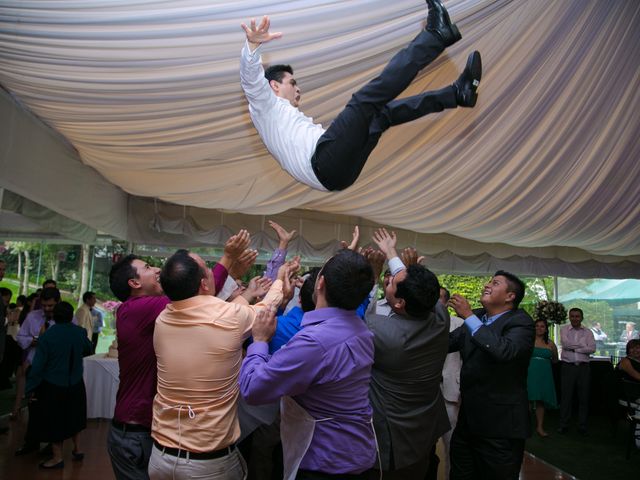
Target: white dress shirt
x,y
577,344
288,134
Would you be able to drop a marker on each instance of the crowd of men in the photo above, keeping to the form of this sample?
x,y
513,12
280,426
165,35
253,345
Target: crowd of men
x,y
347,391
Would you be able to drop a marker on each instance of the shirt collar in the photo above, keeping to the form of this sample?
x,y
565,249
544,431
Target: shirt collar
x,y
327,313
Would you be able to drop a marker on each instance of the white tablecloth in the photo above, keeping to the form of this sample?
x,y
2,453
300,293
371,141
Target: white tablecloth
x,y
101,379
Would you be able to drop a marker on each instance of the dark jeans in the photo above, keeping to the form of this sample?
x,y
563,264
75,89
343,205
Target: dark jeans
x,y
481,458
129,452
574,378
94,340
344,148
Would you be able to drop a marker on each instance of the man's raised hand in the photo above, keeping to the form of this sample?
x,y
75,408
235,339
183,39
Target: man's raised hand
x,y
376,259
409,256
386,242
257,288
257,34
264,326
242,264
284,237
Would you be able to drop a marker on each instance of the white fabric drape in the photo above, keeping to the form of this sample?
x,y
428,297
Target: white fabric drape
x,y
147,92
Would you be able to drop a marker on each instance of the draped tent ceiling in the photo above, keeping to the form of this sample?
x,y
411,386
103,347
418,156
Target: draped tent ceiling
x,y
128,118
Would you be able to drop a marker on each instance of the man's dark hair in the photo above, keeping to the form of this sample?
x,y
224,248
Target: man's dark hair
x,y
276,72
62,312
87,295
348,279
5,292
420,291
22,300
306,291
121,272
50,293
447,295
180,276
49,281
514,284
576,309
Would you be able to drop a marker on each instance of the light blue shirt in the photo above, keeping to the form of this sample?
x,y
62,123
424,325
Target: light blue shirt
x,y
473,323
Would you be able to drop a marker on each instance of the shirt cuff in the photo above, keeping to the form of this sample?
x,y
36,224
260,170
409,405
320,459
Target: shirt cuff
x,y
249,54
396,265
473,323
258,348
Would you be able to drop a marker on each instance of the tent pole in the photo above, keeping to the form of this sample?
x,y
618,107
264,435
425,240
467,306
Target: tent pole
x,y
39,264
93,261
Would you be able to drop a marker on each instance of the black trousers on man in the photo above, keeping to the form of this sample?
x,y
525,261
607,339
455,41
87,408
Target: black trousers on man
x,y
475,457
344,148
574,378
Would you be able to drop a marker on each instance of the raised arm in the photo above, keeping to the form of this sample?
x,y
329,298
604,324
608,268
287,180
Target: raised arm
x,y
259,34
280,253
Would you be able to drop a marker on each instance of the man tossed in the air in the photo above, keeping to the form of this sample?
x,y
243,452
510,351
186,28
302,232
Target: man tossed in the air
x,y
332,159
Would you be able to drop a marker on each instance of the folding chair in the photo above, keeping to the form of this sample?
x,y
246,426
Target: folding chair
x,y
631,402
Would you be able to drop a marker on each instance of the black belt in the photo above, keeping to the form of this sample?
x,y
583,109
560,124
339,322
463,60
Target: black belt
x,y
575,364
130,427
180,453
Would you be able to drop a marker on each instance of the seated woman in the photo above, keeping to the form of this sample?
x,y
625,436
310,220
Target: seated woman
x,y
629,366
55,380
540,387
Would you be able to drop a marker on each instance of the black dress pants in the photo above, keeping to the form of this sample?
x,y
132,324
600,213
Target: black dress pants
x,y
344,148
481,458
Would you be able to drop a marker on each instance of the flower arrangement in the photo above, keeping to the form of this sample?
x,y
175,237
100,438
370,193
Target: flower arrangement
x,y
111,305
552,312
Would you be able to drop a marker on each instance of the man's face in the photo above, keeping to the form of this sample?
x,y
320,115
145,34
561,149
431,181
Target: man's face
x,y
3,267
496,294
208,279
385,280
91,301
47,307
575,318
443,297
147,277
634,351
287,89
392,288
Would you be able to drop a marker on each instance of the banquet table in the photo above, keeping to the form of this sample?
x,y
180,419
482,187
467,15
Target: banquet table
x,y
101,379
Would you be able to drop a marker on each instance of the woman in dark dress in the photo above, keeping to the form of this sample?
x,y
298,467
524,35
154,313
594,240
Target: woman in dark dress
x,y
55,381
629,366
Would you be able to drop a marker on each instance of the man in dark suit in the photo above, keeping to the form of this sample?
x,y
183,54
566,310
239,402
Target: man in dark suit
x,y
411,344
495,343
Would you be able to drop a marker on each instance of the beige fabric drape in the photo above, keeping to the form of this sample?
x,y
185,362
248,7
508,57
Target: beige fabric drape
x,y
147,92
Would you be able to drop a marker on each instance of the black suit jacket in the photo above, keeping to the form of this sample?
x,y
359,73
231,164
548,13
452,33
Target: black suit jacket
x,y
493,379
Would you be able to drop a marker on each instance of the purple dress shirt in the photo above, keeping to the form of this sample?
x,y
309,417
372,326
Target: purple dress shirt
x,y
135,323
326,367
31,328
275,262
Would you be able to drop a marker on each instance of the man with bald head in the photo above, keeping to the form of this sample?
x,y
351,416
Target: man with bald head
x,y
198,343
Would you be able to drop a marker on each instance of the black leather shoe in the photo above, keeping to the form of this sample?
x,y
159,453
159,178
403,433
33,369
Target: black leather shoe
x,y
27,448
58,465
466,87
583,432
439,23
563,430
